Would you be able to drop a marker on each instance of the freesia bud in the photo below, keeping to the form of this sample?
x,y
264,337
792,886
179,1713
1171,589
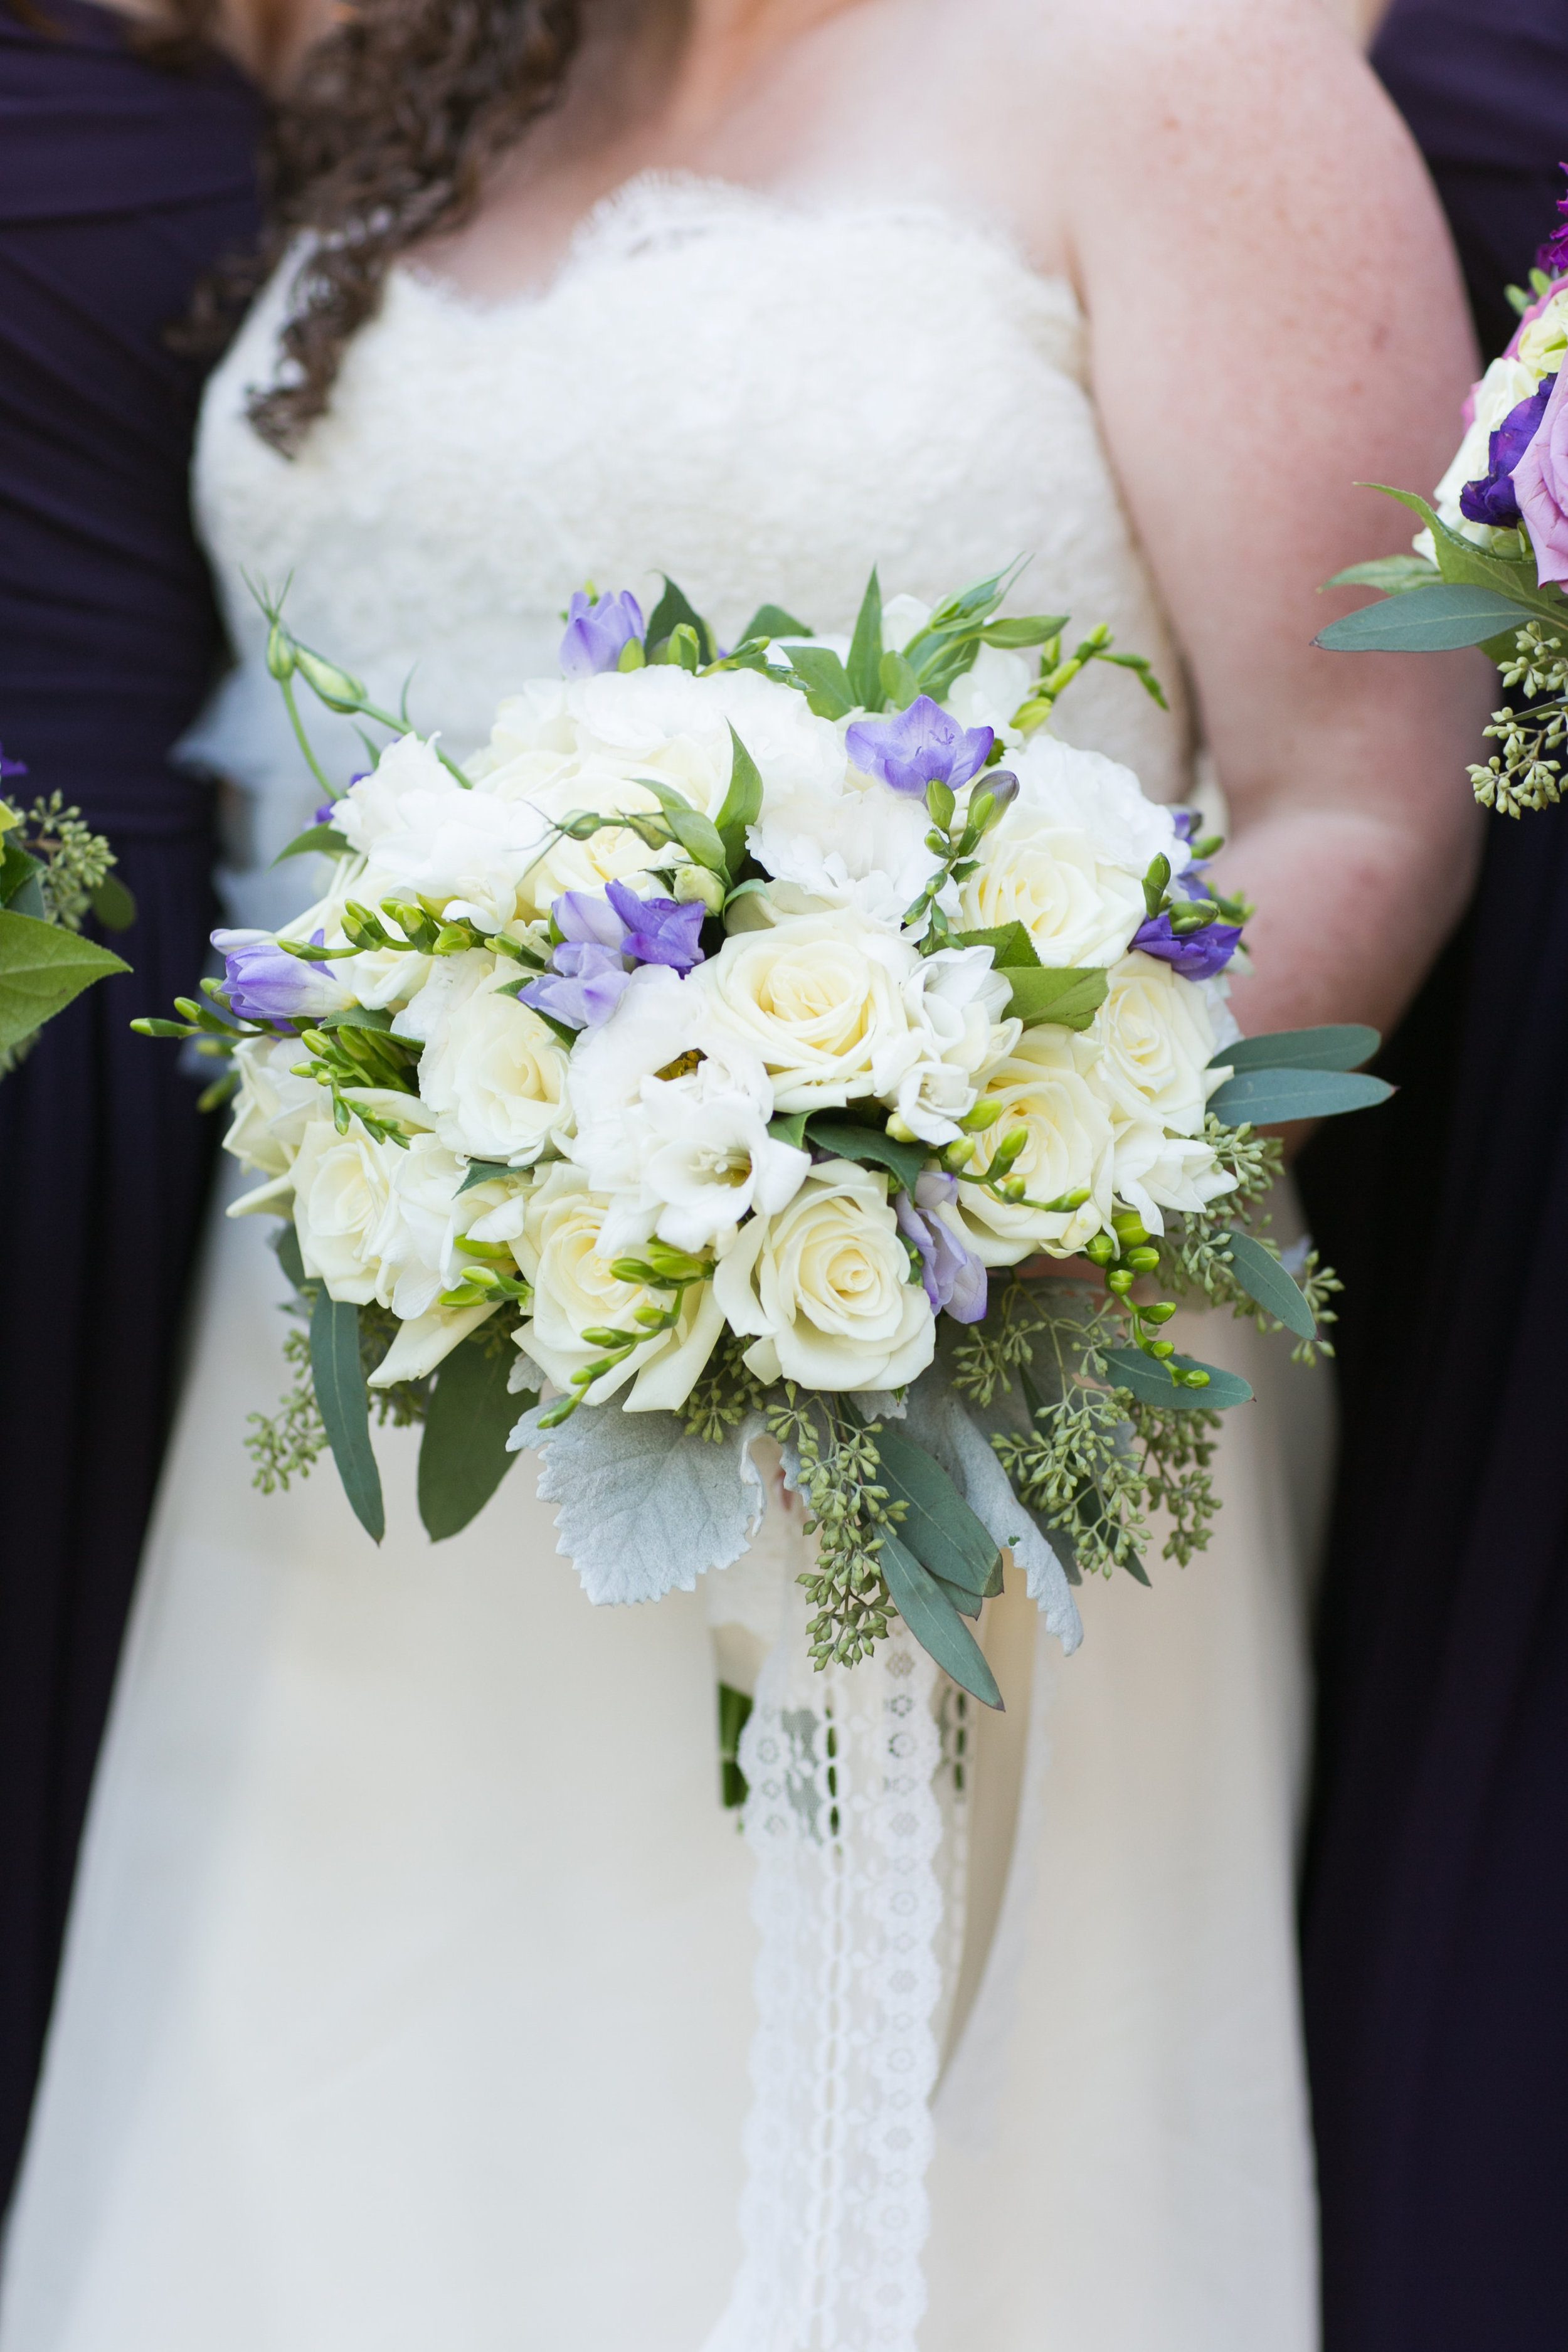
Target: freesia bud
x,y
333,686
280,652
697,884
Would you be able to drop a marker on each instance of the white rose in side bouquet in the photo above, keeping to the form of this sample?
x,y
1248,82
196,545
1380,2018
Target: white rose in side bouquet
x,y
756,1039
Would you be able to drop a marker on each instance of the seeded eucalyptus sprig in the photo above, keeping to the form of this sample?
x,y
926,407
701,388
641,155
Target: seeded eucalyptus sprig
x,y
849,1510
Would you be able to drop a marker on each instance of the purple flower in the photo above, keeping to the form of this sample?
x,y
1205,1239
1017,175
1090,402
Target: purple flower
x,y
263,982
1187,822
324,813
597,631
658,930
1553,256
587,916
1540,486
11,767
922,745
952,1278
1492,498
1197,955
583,989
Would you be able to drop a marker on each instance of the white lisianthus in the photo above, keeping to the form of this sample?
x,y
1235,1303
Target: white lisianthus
x,y
818,999
824,1291
1150,1048
672,1121
561,1250
423,836
989,694
377,1221
1068,1151
851,843
272,1106
956,1005
492,1075
1155,1171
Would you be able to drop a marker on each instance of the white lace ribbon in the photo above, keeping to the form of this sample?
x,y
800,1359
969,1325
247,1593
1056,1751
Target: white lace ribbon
x,y
843,1819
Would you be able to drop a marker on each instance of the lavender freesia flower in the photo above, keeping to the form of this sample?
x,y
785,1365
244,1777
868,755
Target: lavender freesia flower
x,y
599,631
658,930
602,939
1492,498
952,1278
588,983
1197,955
263,982
921,745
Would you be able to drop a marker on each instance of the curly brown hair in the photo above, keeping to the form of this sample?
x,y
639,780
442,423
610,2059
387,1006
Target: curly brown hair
x,y
386,138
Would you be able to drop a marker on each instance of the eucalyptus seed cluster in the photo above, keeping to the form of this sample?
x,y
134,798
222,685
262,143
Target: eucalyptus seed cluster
x,y
75,860
1527,773
848,1511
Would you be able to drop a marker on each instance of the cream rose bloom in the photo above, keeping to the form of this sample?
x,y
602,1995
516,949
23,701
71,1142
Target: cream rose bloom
x,y
378,1220
575,1290
1150,1047
423,836
956,1004
1068,1151
272,1106
824,1287
818,999
493,1073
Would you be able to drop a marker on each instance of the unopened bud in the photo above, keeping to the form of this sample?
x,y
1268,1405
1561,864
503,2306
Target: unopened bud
x,y
985,1113
958,1154
991,795
1160,1348
1129,1228
1120,1279
900,1130
280,652
940,802
1100,1250
604,1336
698,884
1143,1260
1161,1312
332,686
1194,1377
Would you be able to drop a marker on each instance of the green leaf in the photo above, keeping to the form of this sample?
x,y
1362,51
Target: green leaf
x,y
789,1128
1344,1045
324,839
355,1016
734,1714
286,1242
870,1145
743,804
864,664
340,1389
1063,993
43,966
825,679
462,1454
113,904
1035,629
1265,1280
1426,621
1268,1097
18,869
671,611
1395,574
1151,1383
900,686
484,1171
697,834
935,1623
772,621
938,1526
1010,944
1461,559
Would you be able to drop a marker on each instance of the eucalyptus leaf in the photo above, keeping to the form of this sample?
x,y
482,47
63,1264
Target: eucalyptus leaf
x,y
323,839
673,608
1033,629
1268,1097
935,1623
845,1141
1436,619
463,1454
1064,994
865,664
1265,1280
1344,1045
286,1244
1151,1383
825,679
43,966
1459,558
742,805
771,620
112,904
1395,574
339,1383
938,1525
1010,945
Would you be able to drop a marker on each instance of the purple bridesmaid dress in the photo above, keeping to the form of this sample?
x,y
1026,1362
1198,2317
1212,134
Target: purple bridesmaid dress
x,y
1436,1896
120,182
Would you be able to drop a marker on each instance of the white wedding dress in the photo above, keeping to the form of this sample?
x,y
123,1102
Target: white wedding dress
x,y
408,1995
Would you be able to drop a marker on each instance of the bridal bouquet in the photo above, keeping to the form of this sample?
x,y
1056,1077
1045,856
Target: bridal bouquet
x,y
1491,562
800,1039
53,870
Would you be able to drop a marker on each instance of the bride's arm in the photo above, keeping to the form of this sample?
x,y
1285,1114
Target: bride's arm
x,y
1276,316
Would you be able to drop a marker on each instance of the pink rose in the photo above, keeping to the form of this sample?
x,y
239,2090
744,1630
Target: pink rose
x,y
1540,486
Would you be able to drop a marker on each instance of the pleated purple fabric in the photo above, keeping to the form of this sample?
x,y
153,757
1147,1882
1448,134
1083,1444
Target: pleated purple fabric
x,y
119,184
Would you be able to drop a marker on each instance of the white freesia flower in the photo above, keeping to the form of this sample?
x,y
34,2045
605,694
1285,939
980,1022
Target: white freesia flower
x,y
493,1073
1155,1171
272,1106
1150,1046
561,1250
956,1005
423,836
818,998
1068,1151
824,1289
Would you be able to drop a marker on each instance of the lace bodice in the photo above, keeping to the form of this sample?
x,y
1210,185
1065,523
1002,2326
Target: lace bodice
x,y
759,397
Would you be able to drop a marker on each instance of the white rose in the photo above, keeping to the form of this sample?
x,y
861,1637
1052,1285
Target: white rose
x,y
272,1106
1151,1044
851,844
956,1005
818,999
574,1290
1154,1171
493,1073
824,1287
424,836
377,1221
1068,1151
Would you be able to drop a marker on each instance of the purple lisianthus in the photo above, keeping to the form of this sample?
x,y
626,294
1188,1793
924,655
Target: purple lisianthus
x,y
1492,498
921,745
1540,486
263,982
1197,955
952,1278
588,983
599,631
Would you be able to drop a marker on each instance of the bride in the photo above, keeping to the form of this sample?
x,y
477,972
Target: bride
x,y
408,2003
